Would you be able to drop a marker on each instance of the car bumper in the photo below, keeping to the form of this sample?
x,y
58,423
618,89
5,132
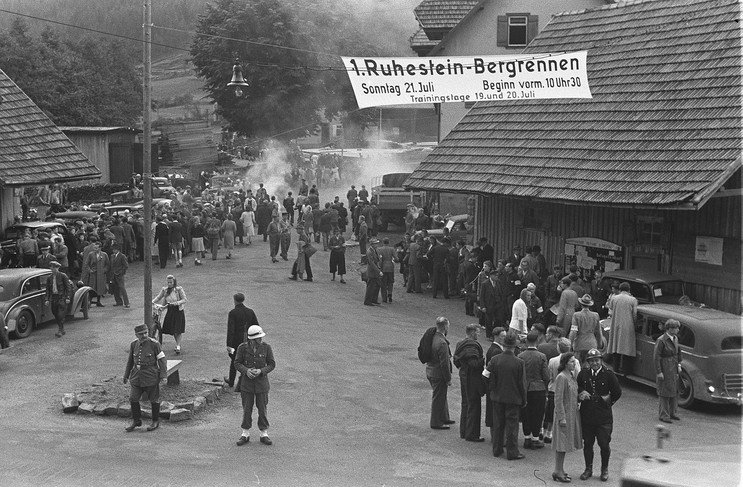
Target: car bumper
x,y
726,399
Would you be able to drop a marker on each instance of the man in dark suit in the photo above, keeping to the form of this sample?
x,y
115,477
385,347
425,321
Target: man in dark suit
x,y
162,239
239,320
492,302
438,372
254,360
468,358
438,254
499,335
508,392
119,266
598,390
486,252
373,274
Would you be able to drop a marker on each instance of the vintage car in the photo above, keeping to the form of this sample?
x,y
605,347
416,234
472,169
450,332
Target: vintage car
x,y
22,296
646,286
711,351
73,216
8,245
161,187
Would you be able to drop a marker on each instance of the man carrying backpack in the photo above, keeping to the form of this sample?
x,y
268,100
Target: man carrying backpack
x,y
213,233
438,372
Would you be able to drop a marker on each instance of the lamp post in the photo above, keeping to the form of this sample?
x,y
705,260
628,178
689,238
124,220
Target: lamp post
x,y
146,157
238,81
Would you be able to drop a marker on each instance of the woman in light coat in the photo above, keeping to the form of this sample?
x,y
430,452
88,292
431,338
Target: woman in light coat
x,y
566,433
566,307
248,220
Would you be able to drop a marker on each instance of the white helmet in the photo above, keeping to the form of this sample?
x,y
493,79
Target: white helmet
x,y
254,332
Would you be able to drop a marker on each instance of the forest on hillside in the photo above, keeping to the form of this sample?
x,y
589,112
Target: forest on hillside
x,y
124,18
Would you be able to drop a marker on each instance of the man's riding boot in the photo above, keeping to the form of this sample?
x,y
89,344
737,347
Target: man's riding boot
x,y
155,417
136,417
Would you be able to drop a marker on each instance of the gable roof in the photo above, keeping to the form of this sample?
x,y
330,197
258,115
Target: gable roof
x,y
32,149
663,128
442,14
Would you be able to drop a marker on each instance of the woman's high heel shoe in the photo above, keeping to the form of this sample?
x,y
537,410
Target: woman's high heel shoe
x,y
561,478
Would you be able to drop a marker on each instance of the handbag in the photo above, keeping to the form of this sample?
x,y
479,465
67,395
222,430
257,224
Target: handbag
x,y
309,250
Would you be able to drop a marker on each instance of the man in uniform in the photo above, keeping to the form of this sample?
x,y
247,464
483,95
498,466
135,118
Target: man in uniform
x,y
254,360
58,292
598,390
145,368
238,321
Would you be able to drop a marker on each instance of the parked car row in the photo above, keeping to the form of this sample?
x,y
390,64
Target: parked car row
x,y
23,303
711,351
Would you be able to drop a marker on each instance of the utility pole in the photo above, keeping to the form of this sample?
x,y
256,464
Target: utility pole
x,y
147,157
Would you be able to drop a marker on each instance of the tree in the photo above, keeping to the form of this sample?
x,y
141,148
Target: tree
x,y
287,91
80,81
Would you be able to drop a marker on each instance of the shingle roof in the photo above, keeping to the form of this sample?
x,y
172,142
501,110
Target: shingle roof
x,y
32,149
420,40
99,129
442,14
663,128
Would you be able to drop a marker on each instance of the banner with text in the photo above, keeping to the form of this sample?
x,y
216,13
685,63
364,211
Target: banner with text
x,y
401,81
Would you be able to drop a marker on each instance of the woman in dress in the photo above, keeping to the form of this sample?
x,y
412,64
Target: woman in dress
x,y
229,229
248,220
197,240
566,434
171,301
667,360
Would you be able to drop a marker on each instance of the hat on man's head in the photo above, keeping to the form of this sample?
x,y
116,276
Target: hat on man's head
x,y
45,247
586,300
141,329
374,240
593,353
54,263
254,332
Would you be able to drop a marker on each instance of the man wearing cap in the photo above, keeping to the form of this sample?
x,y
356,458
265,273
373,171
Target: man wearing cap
x,y
373,274
537,379
58,292
438,373
468,358
145,369
507,376
119,266
42,261
585,332
239,320
598,390
254,360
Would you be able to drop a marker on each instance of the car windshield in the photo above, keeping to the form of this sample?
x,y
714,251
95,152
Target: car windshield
x,y
668,291
732,343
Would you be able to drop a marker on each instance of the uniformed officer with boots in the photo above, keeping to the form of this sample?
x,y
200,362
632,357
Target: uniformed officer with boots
x,y
146,368
254,360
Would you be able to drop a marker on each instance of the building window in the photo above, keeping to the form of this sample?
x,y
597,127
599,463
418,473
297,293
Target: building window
x,y
516,30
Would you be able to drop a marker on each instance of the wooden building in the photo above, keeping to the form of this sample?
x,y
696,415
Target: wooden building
x,y
650,167
33,151
112,149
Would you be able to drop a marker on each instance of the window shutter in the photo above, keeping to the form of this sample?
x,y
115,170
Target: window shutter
x,y
501,39
532,28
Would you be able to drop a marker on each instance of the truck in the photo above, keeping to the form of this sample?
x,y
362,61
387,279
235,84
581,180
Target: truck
x,y
392,199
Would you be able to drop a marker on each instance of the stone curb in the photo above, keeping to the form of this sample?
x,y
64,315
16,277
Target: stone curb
x,y
181,411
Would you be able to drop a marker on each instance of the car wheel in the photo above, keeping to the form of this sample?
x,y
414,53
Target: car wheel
x,y
686,390
24,324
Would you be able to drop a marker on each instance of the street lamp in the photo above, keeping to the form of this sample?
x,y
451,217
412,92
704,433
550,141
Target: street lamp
x,y
237,79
